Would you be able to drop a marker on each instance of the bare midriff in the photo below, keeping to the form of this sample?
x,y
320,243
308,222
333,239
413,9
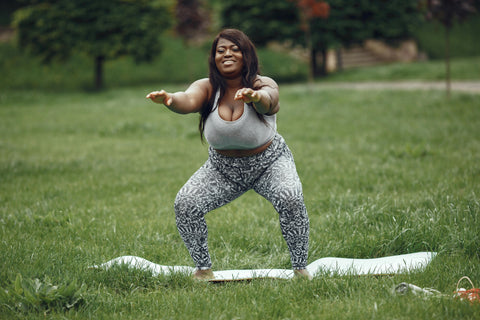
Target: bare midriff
x,y
244,152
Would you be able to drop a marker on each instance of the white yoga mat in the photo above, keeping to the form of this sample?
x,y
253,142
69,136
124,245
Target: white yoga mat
x,y
324,266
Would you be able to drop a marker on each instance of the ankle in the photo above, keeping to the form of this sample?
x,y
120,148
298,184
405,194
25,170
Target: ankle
x,y
302,274
206,274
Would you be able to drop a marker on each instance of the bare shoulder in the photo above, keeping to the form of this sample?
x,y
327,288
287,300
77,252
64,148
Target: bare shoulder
x,y
201,88
205,82
202,85
200,91
266,81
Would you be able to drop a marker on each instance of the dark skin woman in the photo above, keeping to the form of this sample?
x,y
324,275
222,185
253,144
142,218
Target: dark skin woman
x,y
238,109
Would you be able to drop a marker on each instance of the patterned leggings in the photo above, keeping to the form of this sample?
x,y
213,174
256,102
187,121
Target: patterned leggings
x,y
222,179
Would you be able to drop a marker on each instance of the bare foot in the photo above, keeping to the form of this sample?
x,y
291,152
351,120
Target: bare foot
x,y
203,274
302,274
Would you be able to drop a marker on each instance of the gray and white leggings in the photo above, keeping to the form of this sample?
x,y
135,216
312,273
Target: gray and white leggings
x,y
222,179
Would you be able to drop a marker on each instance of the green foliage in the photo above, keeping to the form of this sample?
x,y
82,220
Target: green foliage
x,y
6,10
262,21
448,11
192,19
395,20
281,67
27,295
349,22
100,29
464,39
178,63
353,22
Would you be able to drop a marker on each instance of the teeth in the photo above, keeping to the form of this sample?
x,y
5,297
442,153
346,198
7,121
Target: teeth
x,y
228,63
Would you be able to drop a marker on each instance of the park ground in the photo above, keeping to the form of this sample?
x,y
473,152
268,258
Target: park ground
x,y
389,166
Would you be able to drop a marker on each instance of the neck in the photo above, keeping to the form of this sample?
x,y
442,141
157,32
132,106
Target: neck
x,y
234,83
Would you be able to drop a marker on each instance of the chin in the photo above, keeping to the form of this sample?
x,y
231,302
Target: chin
x,y
231,75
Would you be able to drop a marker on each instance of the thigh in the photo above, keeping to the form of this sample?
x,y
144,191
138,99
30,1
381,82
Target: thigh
x,y
280,183
208,189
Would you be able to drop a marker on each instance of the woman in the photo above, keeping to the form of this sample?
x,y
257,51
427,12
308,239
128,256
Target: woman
x,y
238,110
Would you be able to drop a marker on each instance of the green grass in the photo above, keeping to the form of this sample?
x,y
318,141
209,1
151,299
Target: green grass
x,y
178,63
85,178
464,38
462,69
182,64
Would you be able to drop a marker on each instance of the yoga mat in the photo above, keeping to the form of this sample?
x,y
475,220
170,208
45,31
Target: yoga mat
x,y
323,266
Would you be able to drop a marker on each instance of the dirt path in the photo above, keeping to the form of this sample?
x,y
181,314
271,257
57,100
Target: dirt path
x,y
463,86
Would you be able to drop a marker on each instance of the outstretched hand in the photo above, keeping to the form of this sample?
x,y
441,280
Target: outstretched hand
x,y
160,97
247,95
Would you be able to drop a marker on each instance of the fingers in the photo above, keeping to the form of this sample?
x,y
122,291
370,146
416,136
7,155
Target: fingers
x,y
247,95
155,94
160,97
242,93
168,101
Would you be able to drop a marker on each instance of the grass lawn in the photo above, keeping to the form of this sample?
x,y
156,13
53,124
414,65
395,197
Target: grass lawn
x,y
182,64
462,69
85,178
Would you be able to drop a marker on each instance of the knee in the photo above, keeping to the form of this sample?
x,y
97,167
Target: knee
x,y
186,206
183,203
290,201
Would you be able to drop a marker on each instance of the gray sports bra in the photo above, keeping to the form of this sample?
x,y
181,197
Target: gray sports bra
x,y
247,132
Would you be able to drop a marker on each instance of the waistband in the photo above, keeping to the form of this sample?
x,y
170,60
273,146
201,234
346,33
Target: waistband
x,y
271,153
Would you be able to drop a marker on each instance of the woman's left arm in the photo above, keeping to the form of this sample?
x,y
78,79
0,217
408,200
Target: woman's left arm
x,y
265,99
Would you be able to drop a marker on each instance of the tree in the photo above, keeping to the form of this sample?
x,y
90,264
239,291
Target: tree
x,y
395,20
447,12
310,10
266,21
107,29
353,22
345,23
262,21
192,19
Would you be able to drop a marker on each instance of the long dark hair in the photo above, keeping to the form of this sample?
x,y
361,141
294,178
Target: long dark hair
x,y
250,70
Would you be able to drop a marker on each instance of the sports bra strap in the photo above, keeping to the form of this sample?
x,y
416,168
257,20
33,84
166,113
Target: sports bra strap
x,y
215,102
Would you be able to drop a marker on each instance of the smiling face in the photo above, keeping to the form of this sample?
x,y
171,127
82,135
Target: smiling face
x,y
228,58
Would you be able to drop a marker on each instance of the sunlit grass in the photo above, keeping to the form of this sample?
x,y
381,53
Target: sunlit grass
x,y
85,178
462,69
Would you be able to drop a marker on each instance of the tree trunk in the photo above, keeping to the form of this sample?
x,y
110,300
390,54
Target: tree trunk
x,y
313,61
308,39
323,69
99,60
338,53
447,60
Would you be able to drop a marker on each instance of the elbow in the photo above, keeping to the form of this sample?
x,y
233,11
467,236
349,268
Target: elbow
x,y
273,110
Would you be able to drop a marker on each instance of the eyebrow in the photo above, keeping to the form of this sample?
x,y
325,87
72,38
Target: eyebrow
x,y
224,45
227,46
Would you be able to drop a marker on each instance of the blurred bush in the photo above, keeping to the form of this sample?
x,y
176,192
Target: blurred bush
x,y
102,30
177,64
465,38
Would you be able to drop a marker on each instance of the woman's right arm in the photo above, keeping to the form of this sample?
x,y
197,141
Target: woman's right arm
x,y
188,101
